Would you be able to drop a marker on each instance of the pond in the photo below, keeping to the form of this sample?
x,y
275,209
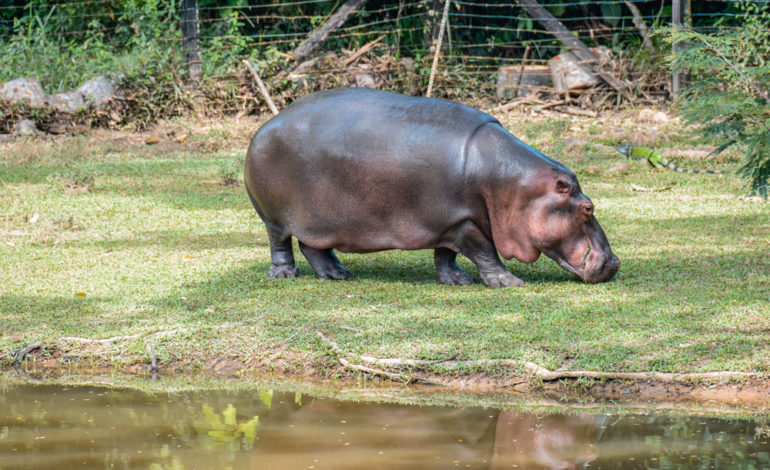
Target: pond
x,y
57,427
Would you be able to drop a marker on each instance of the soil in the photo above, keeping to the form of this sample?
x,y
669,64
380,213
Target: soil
x,y
754,392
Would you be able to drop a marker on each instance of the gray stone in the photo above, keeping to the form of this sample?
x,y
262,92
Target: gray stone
x,y
67,102
569,73
365,80
27,90
25,127
97,90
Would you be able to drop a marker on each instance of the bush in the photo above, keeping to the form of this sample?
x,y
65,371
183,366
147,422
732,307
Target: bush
x,y
729,97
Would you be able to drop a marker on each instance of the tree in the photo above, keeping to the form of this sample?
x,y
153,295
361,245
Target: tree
x,y
729,97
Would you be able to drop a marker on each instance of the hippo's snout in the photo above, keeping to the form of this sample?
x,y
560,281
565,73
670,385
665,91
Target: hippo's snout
x,y
601,268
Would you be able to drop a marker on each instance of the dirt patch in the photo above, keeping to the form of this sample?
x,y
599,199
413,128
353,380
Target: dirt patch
x,y
753,392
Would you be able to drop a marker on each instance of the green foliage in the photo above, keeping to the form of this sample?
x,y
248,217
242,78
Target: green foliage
x,y
729,96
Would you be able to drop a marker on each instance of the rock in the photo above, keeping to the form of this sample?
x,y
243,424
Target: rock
x,y
650,115
660,117
618,167
27,90
25,127
6,138
365,80
97,90
67,102
568,72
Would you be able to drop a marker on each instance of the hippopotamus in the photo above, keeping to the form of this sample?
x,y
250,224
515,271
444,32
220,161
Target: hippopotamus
x,y
360,170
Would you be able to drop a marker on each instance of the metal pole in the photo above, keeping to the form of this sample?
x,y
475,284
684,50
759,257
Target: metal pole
x,y
191,39
677,80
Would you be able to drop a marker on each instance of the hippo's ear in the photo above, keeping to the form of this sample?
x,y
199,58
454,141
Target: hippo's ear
x,y
507,219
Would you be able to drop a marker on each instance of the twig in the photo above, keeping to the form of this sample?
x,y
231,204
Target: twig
x,y
364,49
153,360
261,86
550,105
437,50
115,339
369,370
521,70
547,375
642,189
578,111
99,341
639,23
27,377
19,354
512,104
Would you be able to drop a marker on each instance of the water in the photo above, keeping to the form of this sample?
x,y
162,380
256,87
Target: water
x,y
53,427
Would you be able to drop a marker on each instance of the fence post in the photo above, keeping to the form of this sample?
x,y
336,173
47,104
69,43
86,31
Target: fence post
x,y
677,80
191,39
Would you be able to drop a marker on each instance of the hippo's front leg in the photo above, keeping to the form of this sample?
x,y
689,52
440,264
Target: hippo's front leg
x,y
471,242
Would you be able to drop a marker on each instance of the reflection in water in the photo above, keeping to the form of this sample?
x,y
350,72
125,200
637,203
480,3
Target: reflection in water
x,y
44,427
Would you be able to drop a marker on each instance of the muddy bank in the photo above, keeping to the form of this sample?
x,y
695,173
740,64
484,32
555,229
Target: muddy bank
x,y
751,392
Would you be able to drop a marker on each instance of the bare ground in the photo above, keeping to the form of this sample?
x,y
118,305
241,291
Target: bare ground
x,y
754,392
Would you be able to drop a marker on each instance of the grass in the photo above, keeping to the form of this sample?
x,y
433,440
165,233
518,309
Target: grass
x,y
132,238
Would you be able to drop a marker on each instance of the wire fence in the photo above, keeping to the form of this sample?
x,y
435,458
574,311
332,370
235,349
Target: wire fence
x,y
486,42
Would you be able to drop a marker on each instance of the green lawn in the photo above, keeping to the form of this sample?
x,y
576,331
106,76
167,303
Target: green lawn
x,y
157,244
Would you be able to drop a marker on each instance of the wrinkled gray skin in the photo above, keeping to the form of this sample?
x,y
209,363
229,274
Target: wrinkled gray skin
x,y
360,170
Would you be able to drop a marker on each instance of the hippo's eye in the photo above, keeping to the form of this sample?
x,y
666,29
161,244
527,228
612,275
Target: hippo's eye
x,y
563,187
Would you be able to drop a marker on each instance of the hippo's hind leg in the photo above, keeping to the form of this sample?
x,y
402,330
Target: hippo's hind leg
x,y
324,262
448,271
281,255
281,252
471,242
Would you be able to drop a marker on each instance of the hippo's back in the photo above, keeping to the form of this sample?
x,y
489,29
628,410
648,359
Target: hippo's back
x,y
388,167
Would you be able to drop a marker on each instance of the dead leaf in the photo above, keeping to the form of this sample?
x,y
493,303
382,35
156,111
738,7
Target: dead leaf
x,y
75,190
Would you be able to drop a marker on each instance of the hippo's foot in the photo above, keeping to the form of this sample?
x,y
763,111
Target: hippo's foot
x,y
324,263
455,278
501,279
448,271
283,271
334,272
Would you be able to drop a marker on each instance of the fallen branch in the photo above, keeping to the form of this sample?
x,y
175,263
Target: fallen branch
x,y
364,49
551,105
19,354
261,86
578,111
115,339
548,376
513,103
406,379
318,36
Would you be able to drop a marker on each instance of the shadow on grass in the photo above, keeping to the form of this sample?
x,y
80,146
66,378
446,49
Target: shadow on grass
x,y
638,321
58,315
179,239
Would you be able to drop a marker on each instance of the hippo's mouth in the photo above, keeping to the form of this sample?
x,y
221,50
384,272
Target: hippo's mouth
x,y
595,265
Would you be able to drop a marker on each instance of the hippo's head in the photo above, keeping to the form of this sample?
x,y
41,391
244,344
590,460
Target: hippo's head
x,y
549,214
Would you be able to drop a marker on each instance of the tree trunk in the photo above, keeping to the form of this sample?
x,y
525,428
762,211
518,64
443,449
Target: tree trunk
x,y
318,36
564,35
